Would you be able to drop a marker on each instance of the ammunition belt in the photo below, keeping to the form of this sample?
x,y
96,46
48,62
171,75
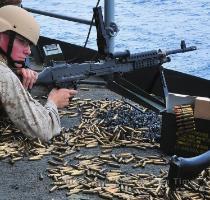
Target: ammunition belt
x,y
189,140
185,120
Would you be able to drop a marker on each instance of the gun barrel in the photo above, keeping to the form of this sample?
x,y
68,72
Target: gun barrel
x,y
131,57
148,54
182,50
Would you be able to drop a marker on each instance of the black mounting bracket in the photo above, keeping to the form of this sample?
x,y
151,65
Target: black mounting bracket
x,y
102,35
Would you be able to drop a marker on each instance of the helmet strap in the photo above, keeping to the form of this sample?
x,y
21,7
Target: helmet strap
x,y
12,63
10,43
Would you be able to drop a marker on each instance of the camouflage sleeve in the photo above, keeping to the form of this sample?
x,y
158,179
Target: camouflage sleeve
x,y
26,113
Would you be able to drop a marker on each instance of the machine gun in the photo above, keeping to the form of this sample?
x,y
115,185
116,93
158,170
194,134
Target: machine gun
x,y
184,169
64,75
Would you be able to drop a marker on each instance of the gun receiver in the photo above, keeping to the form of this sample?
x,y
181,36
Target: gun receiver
x,y
64,75
183,169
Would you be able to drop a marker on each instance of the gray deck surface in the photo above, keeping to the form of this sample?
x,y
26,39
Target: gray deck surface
x,y
21,180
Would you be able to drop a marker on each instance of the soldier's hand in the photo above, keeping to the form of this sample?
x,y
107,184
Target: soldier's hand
x,y
61,97
29,77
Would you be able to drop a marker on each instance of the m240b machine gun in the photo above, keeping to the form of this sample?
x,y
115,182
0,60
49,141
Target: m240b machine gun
x,y
64,75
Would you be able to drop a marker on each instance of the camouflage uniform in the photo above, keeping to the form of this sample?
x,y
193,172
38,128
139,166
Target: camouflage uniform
x,y
26,113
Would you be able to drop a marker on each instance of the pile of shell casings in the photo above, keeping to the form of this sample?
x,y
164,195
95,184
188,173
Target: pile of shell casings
x,y
184,119
100,174
92,174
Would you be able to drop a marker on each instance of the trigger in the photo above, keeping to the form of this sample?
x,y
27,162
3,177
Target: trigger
x,y
75,86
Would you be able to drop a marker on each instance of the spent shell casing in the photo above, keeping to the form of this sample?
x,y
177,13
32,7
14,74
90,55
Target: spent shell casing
x,y
61,148
101,176
38,157
58,159
63,187
105,195
77,172
59,143
41,177
38,145
106,151
56,153
120,160
114,157
53,163
90,191
111,164
53,188
74,191
17,158
92,145
129,159
67,154
105,157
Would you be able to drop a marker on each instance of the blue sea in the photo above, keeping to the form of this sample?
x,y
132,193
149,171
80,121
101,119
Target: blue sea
x,y
144,25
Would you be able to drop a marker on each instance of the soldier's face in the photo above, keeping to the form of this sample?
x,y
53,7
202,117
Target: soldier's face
x,y
20,50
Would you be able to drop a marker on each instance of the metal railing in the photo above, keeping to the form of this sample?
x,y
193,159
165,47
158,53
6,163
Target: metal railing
x,y
63,17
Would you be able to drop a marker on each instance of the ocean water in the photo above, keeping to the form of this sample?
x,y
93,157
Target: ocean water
x,y
144,25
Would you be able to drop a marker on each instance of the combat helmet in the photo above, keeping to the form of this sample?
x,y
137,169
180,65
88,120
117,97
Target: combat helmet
x,y
10,2
18,20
